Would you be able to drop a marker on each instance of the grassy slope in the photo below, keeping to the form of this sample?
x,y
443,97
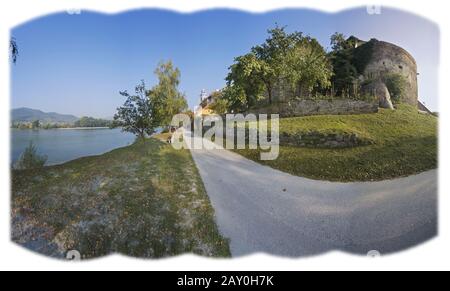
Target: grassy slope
x,y
405,143
144,200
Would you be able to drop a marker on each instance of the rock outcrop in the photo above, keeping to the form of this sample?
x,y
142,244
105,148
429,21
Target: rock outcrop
x,y
381,92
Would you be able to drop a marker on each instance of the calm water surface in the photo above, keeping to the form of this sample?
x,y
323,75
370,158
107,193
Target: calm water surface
x,y
62,145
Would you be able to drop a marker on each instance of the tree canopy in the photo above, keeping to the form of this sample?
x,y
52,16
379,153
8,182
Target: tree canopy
x,y
291,59
146,110
165,97
136,115
86,121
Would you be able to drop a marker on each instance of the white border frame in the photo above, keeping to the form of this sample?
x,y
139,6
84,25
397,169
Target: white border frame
x,y
432,255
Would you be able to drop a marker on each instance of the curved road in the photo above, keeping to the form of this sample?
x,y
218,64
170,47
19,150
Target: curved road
x,y
265,210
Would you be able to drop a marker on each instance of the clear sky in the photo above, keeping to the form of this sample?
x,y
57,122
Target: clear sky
x,y
77,64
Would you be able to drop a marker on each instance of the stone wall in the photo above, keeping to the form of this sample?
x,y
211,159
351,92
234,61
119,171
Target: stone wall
x,y
323,140
318,107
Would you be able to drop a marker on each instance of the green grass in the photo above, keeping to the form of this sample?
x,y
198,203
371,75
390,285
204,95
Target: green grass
x,y
404,143
145,200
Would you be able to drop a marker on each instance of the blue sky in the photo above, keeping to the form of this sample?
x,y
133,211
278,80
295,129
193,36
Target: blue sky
x,y
77,64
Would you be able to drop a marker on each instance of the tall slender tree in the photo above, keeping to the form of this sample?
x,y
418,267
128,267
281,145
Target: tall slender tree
x,y
165,97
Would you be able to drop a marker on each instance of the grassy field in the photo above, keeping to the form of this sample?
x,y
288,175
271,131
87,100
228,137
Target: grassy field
x,y
145,200
404,143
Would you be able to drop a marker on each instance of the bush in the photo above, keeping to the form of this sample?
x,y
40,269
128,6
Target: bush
x,y
396,84
220,106
30,159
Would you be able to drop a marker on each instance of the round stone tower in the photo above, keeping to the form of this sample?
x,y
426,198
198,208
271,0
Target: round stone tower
x,y
386,58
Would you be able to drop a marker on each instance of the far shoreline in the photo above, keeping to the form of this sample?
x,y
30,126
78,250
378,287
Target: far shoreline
x,y
66,128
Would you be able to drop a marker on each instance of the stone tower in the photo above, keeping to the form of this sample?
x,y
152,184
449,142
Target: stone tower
x,y
378,58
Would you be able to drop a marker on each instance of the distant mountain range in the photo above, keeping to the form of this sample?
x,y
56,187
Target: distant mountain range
x,y
30,115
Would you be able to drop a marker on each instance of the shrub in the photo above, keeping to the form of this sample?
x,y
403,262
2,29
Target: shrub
x,y
220,106
30,159
396,84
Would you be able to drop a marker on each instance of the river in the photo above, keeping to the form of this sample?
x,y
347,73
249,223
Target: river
x,y
62,145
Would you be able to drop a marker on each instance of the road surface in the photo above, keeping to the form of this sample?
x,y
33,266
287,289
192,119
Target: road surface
x,y
260,209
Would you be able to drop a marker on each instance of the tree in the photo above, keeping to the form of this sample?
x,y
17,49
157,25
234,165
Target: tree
x,y
236,98
30,159
165,97
338,42
14,49
35,124
137,113
396,84
307,67
220,104
246,77
92,122
345,73
283,59
272,55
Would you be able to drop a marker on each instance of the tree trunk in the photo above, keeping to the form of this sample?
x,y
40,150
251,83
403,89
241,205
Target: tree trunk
x,y
142,135
269,92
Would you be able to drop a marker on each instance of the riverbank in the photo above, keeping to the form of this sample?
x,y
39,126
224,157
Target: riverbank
x,y
56,128
144,200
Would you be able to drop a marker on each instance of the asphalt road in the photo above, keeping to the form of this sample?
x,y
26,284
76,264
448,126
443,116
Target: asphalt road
x,y
265,210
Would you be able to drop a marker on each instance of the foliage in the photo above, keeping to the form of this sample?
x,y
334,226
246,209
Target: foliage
x,y
338,42
348,62
30,159
236,98
92,122
220,104
165,97
272,54
345,73
396,84
362,56
246,80
284,58
136,115
308,67
35,124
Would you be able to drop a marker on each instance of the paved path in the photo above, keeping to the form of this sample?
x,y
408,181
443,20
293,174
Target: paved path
x,y
264,210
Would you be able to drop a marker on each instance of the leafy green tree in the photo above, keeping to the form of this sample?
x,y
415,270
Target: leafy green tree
x,y
220,104
35,124
396,84
92,122
236,98
345,73
136,115
30,159
272,56
165,97
284,58
307,67
338,42
246,78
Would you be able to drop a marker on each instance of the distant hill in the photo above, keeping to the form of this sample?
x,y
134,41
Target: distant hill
x,y
30,115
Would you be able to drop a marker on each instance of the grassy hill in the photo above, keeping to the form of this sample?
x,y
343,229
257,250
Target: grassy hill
x,y
145,200
403,142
